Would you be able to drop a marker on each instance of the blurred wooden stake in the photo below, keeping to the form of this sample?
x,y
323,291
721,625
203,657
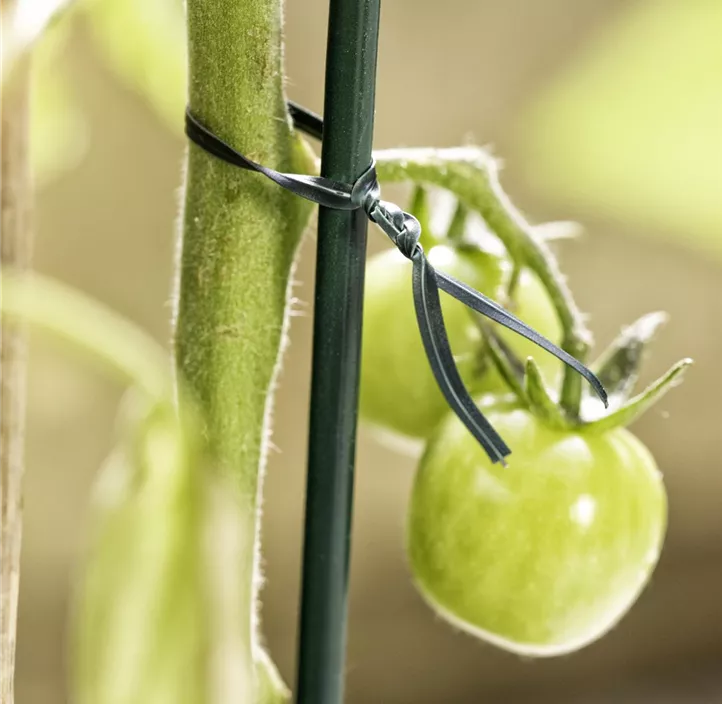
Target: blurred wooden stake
x,y
15,246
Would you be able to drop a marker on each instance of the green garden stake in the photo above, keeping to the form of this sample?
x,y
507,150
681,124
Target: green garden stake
x,y
348,183
346,154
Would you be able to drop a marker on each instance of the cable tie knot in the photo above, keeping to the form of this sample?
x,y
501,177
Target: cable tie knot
x,y
404,231
402,228
366,191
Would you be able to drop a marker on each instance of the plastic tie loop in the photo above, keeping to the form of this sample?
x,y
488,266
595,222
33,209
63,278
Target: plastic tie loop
x,y
404,230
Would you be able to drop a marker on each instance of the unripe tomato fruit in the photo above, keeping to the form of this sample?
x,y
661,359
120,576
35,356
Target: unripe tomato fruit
x,y
532,305
547,554
398,390
399,395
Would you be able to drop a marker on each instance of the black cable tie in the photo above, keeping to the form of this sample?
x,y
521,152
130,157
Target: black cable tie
x,y
404,231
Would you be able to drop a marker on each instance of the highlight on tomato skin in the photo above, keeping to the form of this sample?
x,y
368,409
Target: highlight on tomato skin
x,y
547,555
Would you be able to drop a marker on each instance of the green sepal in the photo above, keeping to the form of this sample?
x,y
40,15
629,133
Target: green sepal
x,y
635,407
618,366
508,365
540,400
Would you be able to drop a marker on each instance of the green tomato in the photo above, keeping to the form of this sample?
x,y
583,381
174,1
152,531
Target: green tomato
x,y
398,390
547,554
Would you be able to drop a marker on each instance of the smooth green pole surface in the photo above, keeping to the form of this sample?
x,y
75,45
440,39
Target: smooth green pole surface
x,y
341,253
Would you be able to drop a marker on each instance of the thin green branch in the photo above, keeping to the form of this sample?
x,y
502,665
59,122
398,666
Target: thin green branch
x,y
540,400
513,283
472,175
419,208
457,226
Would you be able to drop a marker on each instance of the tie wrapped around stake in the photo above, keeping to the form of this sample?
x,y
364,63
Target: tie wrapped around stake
x,y
404,231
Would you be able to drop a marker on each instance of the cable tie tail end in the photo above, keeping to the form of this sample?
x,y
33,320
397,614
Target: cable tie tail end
x,y
501,455
494,311
485,434
597,386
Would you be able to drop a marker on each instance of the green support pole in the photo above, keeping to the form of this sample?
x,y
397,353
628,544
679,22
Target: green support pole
x,y
341,254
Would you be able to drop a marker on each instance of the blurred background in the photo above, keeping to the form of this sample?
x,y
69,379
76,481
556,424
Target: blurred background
x,y
605,111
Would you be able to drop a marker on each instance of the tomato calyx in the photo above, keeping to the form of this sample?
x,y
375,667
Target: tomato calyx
x,y
483,214
618,369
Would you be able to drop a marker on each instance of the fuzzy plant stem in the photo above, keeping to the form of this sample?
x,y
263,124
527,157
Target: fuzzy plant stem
x,y
472,176
240,235
15,211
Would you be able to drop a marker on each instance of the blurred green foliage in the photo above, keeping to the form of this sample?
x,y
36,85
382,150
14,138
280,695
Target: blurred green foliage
x,y
142,41
633,127
57,126
630,128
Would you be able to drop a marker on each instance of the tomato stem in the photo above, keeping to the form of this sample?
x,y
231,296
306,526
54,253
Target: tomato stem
x,y
457,226
472,175
419,208
240,236
512,285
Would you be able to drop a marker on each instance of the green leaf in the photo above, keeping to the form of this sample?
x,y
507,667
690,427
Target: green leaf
x,y
144,42
635,407
631,126
619,365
